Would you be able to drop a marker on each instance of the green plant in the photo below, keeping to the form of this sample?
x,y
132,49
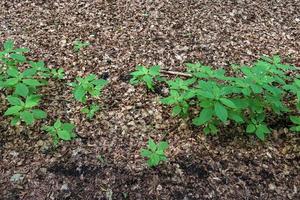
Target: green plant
x,y
145,75
88,85
258,127
11,56
155,153
60,130
23,110
78,45
243,98
58,73
90,111
23,83
296,121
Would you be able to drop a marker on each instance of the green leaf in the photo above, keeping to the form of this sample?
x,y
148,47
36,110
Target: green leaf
x,y
250,128
146,153
21,89
149,82
260,134
295,120
18,57
27,117
11,81
152,145
295,128
162,146
32,82
228,102
237,117
63,134
32,101
79,93
221,112
154,160
13,72
15,121
68,127
57,124
14,101
29,72
39,114
8,45
205,116
154,70
13,110
176,110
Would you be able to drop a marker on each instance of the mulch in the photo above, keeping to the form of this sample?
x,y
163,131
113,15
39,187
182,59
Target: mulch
x,y
104,162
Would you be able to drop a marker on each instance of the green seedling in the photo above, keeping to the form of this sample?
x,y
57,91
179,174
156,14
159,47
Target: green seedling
x,y
78,45
90,111
88,85
58,73
155,153
145,76
60,131
24,110
258,127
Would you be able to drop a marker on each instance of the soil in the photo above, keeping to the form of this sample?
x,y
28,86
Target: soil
x,y
103,162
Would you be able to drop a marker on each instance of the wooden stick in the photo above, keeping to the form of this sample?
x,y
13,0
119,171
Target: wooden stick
x,y
176,73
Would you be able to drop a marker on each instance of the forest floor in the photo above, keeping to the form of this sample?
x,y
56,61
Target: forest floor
x,y
104,162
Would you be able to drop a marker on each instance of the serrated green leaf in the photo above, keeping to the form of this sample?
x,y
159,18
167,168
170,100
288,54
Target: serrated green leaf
x,y
295,120
146,153
154,70
162,145
149,82
15,101
57,124
68,127
221,112
250,128
29,72
18,57
63,134
39,114
15,121
176,110
205,115
8,45
79,93
228,103
13,72
295,128
32,101
260,134
152,145
21,89
11,81
27,117
31,82
154,160
13,110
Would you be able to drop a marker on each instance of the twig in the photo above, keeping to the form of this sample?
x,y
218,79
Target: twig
x,y
176,73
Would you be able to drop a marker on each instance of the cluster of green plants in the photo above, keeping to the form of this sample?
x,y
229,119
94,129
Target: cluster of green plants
x,y
155,153
20,79
246,97
89,86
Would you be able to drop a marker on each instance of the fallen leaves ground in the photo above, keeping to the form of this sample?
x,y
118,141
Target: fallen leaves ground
x,y
104,162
